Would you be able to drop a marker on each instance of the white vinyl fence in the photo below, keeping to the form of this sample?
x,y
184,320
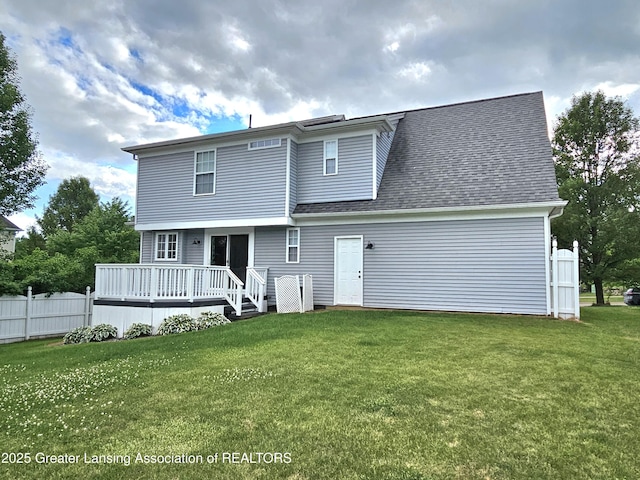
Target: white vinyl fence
x,y
33,316
565,282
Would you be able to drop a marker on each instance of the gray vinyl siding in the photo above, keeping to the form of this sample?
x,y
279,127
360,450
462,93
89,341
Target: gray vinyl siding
x,y
463,265
147,247
193,253
383,145
355,171
249,184
293,177
188,252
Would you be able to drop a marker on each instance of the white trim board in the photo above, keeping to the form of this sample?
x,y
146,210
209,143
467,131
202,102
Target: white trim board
x,y
240,222
429,215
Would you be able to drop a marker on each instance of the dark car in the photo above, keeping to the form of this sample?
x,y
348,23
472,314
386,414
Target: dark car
x,y
632,296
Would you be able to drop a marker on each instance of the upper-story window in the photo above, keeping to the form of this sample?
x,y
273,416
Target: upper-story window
x,y
167,246
205,173
330,157
268,143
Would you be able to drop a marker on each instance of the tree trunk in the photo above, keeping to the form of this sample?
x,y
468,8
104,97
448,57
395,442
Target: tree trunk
x,y
599,291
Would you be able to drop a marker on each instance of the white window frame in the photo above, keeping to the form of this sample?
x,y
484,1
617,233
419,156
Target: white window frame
x,y
266,143
165,250
325,158
208,172
290,246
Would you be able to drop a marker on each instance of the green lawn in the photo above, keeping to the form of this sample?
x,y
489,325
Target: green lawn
x,y
334,395
591,297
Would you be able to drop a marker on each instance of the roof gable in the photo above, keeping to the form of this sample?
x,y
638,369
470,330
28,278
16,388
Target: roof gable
x,y
489,152
6,224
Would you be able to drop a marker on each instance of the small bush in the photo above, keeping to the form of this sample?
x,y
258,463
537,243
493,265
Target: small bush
x,y
78,335
177,324
211,319
103,332
138,330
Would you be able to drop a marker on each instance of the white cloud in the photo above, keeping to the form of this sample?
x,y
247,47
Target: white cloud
x,y
392,47
611,89
236,39
107,180
416,71
102,74
24,221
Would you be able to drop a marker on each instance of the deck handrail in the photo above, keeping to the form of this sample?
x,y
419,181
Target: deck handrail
x,y
152,282
256,287
233,294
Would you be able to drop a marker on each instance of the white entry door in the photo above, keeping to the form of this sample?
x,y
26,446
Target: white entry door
x,y
348,271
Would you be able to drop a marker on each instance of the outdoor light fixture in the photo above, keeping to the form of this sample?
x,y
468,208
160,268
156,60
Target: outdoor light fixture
x,y
370,246
196,242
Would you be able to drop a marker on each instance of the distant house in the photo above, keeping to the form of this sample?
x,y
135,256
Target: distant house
x,y
8,231
443,208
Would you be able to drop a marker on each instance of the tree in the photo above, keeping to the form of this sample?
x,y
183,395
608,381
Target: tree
x,y
21,166
27,244
105,235
73,201
596,144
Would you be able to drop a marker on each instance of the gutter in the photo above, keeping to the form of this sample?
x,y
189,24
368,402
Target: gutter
x,y
552,207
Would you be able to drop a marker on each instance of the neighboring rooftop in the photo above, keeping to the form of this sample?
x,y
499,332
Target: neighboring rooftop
x,y
481,153
6,224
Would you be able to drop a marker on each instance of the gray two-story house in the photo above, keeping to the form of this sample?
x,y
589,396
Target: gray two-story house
x,y
443,208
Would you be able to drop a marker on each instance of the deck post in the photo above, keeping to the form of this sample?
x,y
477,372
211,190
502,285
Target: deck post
x,y
191,284
153,288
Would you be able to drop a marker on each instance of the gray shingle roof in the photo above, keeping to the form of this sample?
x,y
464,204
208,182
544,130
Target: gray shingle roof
x,y
6,224
488,152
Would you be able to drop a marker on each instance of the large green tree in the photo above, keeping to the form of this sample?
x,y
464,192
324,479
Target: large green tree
x,y
66,260
22,169
105,235
74,199
596,144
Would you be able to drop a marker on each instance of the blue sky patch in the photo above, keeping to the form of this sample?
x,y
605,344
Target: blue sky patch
x,y
147,91
64,37
180,108
219,124
135,54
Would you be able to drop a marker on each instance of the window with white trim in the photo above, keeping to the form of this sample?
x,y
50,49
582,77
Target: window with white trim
x,y
330,157
268,143
293,245
204,182
167,246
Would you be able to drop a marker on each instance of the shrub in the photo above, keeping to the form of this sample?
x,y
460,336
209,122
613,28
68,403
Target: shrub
x,y
177,324
102,332
90,334
210,319
138,330
78,335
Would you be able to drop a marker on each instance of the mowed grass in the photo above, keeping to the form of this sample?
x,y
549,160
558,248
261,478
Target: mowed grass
x,y
591,297
337,395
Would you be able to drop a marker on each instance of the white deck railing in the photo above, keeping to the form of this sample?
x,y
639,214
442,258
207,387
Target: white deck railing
x,y
256,287
155,282
168,282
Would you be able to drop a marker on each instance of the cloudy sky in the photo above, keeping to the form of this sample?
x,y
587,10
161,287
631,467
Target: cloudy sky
x,y
107,74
